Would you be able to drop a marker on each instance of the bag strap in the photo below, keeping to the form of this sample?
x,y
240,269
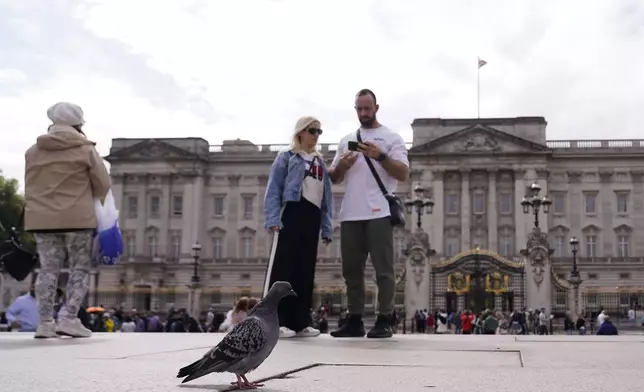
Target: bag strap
x,y
373,169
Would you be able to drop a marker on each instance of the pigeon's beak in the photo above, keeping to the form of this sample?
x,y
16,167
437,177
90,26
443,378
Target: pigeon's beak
x,y
292,293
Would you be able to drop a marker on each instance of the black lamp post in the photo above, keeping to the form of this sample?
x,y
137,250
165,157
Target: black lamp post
x,y
575,277
573,245
196,252
423,205
534,202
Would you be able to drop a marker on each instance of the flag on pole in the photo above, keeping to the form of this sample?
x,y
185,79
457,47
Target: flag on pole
x,y
482,62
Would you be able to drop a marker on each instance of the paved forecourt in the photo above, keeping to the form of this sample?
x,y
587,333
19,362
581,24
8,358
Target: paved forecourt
x,y
149,362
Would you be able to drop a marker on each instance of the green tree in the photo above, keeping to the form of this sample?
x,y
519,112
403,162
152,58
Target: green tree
x,y
11,205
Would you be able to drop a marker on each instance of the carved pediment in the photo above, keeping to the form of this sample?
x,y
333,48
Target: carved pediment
x,y
248,230
626,229
479,139
216,231
151,149
591,228
559,229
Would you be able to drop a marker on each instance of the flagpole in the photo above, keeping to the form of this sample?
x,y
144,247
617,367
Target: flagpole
x,y
478,88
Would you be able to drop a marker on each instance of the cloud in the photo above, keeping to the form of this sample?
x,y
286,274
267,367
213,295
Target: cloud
x,y
249,69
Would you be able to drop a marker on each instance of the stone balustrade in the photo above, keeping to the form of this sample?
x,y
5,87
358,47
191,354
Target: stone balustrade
x,y
565,145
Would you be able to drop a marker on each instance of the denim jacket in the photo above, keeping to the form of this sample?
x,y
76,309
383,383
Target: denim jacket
x,y
285,184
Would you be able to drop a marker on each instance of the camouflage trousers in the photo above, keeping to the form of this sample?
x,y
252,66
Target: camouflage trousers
x,y
54,249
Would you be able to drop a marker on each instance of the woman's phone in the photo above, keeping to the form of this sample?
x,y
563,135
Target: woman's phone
x,y
353,146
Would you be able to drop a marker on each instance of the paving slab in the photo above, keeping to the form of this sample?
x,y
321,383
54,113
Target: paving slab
x,y
149,362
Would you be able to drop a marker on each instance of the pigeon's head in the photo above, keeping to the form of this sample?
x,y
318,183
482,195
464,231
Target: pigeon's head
x,y
280,290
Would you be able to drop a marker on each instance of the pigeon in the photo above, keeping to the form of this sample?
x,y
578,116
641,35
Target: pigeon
x,y
247,345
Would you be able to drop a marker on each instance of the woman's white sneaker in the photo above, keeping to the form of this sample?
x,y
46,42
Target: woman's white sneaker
x,y
286,333
308,332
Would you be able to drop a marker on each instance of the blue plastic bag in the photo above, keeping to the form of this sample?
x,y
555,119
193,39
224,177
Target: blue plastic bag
x,y
108,242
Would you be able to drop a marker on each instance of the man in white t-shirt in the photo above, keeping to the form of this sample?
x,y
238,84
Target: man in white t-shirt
x,y
366,229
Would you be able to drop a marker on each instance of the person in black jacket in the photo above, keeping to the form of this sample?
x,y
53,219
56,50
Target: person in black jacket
x,y
581,325
569,325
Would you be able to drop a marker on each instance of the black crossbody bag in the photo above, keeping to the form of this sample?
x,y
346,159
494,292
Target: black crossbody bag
x,y
16,260
396,208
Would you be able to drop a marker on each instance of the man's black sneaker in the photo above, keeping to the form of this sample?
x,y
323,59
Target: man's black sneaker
x,y
382,328
353,328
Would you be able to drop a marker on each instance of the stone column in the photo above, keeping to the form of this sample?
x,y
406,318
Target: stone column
x,y
492,213
417,275
187,238
519,216
538,271
436,219
166,213
193,220
142,216
466,212
118,186
574,297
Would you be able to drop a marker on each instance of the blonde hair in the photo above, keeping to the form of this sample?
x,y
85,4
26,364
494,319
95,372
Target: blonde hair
x,y
300,125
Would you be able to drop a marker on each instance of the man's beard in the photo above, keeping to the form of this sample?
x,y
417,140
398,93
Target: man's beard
x,y
367,122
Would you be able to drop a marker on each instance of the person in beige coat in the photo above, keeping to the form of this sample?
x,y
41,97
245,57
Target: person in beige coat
x,y
63,175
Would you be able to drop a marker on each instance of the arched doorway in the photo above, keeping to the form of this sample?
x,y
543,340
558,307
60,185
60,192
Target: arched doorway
x,y
477,280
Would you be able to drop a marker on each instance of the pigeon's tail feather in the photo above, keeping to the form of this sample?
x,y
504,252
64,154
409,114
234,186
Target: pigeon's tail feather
x,y
192,371
200,368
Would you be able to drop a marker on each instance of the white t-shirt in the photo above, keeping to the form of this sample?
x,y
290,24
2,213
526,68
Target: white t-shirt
x,y
313,183
363,200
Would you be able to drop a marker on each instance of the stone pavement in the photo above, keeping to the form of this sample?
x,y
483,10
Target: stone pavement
x,y
149,362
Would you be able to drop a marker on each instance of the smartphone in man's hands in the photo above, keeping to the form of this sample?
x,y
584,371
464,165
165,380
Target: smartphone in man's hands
x,y
353,145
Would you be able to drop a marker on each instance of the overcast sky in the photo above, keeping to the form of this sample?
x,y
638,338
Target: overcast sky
x,y
248,69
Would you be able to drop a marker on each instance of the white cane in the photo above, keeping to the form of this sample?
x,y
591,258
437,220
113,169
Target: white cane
x,y
271,260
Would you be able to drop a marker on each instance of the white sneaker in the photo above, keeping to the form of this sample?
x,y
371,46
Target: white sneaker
x,y
46,330
308,332
286,333
73,328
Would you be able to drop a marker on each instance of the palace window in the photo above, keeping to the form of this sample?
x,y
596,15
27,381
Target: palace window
x,y
452,204
177,205
590,200
622,203
155,206
248,206
451,247
591,246
130,243
505,201
247,243
216,248
478,203
559,203
623,242
132,206
506,243
153,243
175,249
218,206
560,246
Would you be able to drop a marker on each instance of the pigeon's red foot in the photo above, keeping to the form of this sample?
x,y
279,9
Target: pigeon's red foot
x,y
243,383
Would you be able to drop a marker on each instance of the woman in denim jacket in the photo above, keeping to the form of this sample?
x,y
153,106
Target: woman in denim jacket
x,y
298,209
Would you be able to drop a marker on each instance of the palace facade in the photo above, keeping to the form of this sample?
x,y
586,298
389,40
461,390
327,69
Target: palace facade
x,y
173,193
